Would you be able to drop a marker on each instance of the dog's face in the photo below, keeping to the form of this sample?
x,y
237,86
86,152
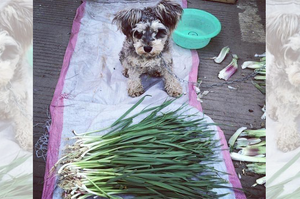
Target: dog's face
x,y
150,28
283,41
149,37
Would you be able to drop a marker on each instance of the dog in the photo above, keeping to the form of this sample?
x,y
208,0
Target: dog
x,y
283,78
147,46
16,25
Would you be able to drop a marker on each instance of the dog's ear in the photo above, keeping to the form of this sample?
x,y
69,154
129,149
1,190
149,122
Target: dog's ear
x,y
169,13
126,20
16,18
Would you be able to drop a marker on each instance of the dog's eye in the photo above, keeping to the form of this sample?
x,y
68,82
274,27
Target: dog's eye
x,y
137,35
161,33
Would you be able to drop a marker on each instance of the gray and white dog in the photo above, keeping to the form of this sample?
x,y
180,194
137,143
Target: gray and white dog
x,y
147,47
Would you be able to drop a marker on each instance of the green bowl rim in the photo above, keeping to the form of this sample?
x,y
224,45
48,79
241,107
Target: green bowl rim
x,y
209,36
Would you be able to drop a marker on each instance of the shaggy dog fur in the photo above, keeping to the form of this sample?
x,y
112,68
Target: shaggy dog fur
x,y
146,48
15,38
283,78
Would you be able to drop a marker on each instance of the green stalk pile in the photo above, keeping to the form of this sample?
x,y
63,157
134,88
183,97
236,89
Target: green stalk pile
x,y
12,187
166,155
251,149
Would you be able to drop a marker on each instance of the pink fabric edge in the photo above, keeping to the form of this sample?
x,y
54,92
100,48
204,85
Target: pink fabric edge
x,y
233,178
56,109
193,78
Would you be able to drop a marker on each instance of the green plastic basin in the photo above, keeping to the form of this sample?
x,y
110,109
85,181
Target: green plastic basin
x,y
196,28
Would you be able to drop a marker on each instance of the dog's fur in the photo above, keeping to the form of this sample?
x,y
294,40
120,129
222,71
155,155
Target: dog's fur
x,y
283,78
149,29
15,37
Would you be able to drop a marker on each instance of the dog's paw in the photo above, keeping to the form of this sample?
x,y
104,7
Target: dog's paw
x,y
125,73
288,140
135,91
173,88
175,91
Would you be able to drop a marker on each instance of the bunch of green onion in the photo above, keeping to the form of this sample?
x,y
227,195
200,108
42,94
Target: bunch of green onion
x,y
251,149
168,154
12,187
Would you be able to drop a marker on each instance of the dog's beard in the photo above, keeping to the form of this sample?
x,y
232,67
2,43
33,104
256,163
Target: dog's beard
x,y
157,47
138,46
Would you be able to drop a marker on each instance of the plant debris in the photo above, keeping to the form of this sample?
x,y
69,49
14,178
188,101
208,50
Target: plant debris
x,y
220,58
251,149
229,70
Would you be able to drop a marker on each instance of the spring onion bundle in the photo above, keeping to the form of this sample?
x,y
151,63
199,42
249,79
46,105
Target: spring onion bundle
x,y
166,155
251,149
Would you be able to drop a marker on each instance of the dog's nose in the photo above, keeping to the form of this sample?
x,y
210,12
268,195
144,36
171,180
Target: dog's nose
x,y
147,49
